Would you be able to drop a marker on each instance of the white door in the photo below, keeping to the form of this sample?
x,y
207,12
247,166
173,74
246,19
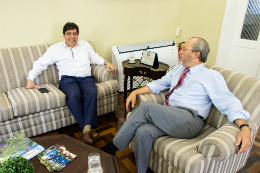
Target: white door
x,y
235,53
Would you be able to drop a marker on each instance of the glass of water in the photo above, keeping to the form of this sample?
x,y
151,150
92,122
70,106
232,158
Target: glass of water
x,y
94,165
132,57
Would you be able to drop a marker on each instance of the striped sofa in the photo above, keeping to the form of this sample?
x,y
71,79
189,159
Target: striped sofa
x,y
213,150
32,113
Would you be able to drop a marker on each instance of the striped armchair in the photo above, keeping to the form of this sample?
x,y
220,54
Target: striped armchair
x,y
32,113
213,150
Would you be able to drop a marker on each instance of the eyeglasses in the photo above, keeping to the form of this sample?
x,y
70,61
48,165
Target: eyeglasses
x,y
184,49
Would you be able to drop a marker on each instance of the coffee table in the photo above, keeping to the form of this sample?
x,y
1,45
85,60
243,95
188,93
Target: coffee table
x,y
82,150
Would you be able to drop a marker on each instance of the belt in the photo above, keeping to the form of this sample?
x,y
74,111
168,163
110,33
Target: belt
x,y
201,117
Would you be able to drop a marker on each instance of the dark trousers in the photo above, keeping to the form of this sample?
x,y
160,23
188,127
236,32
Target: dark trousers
x,y
81,96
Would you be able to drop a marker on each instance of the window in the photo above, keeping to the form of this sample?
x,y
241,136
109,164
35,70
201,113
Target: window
x,y
251,26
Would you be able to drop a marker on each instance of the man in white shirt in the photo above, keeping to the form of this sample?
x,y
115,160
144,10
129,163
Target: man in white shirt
x,y
73,58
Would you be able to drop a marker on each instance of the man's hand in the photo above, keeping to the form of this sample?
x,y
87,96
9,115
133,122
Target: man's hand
x,y
244,137
130,98
111,66
31,85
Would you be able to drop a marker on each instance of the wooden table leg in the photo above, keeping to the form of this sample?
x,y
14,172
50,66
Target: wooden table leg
x,y
131,84
125,92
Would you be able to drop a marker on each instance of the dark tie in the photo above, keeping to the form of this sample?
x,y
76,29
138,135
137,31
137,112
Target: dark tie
x,y
178,84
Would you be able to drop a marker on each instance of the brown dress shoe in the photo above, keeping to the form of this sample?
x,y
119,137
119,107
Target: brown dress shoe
x,y
86,137
95,136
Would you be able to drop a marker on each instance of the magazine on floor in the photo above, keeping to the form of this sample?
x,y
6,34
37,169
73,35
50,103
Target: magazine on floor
x,y
19,145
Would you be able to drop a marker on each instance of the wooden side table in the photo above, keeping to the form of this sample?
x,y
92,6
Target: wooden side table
x,y
139,69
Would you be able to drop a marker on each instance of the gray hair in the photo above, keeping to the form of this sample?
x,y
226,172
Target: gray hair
x,y
201,46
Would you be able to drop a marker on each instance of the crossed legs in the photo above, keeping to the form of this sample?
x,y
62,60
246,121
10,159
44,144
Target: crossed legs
x,y
151,120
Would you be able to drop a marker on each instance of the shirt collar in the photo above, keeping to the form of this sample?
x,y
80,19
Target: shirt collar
x,y
196,68
64,44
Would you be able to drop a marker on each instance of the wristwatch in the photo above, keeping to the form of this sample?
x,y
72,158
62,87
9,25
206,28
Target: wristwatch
x,y
243,125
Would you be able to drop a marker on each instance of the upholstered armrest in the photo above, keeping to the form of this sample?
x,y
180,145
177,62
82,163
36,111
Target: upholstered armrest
x,y
157,98
220,145
107,88
101,74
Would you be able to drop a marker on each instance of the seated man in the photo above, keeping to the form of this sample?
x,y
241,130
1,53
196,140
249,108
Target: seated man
x,y
73,58
194,89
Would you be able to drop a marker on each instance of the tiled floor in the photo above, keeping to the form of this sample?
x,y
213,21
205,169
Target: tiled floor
x,y
109,124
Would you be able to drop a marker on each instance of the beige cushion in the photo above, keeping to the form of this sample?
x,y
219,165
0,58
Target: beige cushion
x,y
28,101
17,62
6,112
106,88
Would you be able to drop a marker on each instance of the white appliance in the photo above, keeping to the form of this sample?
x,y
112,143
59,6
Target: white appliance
x,y
166,50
